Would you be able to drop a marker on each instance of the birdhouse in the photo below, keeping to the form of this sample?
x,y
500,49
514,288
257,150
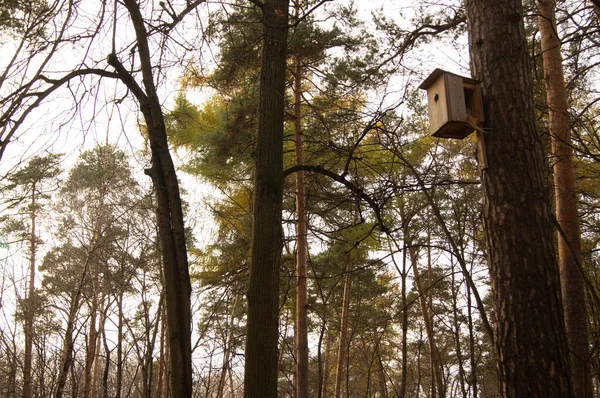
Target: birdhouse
x,y
454,103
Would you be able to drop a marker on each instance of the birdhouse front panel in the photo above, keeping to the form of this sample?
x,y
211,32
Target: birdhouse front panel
x,y
454,104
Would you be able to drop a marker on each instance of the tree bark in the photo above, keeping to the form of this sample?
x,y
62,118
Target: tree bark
x,y
565,190
260,376
530,335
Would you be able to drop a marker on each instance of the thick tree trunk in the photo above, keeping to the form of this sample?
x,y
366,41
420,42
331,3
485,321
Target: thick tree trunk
x,y
438,388
301,245
343,344
260,377
569,245
530,336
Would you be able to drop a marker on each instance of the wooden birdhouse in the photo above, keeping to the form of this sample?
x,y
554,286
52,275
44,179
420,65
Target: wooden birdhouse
x,y
454,102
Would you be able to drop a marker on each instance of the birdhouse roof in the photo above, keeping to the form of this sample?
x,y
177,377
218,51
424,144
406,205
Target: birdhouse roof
x,y
439,72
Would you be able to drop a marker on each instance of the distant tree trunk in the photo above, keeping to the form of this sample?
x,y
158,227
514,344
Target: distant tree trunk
x,y
226,366
162,355
437,372
27,384
326,365
473,360
569,249
98,375
107,362
301,244
530,335
343,343
92,338
67,350
119,376
260,375
457,334
404,370
171,226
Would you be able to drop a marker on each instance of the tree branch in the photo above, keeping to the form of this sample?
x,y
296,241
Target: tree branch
x,y
348,184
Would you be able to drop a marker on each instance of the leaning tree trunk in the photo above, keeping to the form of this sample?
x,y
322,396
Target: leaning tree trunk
x,y
530,336
260,376
569,244
171,229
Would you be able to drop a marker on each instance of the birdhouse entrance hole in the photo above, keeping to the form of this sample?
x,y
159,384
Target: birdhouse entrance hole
x,y
454,102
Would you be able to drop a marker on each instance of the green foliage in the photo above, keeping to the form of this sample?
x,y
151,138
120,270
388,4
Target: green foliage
x,y
18,16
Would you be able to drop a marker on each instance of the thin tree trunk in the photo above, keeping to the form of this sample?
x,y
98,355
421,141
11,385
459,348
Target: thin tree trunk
x,y
301,244
260,373
119,376
92,339
457,340
530,336
404,370
106,371
569,249
343,344
97,373
67,350
326,367
471,344
227,352
27,384
162,355
438,388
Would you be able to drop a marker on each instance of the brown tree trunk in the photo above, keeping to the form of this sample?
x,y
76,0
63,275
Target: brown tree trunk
x,y
569,245
437,372
301,245
530,336
260,376
343,345
171,228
